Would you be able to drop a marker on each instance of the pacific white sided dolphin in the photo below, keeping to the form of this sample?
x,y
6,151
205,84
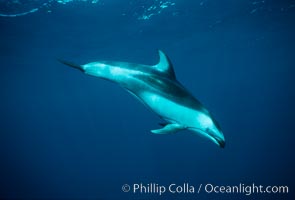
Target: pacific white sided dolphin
x,y
157,87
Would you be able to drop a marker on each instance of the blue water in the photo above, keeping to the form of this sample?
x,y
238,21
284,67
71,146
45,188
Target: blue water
x,y
67,135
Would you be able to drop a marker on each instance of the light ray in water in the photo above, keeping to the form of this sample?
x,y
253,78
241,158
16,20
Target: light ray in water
x,y
144,9
27,12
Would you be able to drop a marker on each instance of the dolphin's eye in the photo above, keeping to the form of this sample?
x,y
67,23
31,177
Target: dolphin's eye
x,y
210,132
216,124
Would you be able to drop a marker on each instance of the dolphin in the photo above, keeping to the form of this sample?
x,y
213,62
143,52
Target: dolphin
x,y
157,88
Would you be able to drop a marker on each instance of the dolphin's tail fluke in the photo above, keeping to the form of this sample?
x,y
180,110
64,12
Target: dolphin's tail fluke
x,y
79,67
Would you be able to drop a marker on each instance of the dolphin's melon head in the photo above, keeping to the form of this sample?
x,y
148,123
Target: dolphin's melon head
x,y
209,128
214,131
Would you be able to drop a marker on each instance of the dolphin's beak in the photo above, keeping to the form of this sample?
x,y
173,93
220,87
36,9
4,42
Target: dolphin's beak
x,y
216,138
221,142
79,67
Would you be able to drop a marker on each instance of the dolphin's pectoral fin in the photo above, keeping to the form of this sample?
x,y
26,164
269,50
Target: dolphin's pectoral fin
x,y
169,128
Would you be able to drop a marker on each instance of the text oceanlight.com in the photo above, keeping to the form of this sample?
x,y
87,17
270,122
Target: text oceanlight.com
x,y
209,188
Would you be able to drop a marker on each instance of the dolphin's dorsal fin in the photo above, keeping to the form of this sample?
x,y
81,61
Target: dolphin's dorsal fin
x,y
164,65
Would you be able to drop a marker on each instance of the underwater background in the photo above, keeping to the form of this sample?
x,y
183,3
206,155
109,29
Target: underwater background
x,y
67,135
